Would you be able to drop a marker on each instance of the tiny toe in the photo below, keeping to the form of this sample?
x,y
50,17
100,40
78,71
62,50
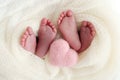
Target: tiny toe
x,y
23,39
93,33
44,21
24,36
51,24
30,30
69,13
62,15
91,26
59,21
26,33
60,18
88,23
48,21
53,28
84,23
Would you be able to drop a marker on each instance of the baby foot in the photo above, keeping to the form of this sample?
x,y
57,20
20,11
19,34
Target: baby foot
x,y
46,35
61,55
87,33
68,28
28,40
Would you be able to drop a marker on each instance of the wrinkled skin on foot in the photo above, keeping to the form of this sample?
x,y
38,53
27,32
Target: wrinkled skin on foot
x,y
68,28
87,33
46,35
28,40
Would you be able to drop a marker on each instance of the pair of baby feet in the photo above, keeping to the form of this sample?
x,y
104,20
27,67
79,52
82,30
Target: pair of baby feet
x,y
60,53
46,35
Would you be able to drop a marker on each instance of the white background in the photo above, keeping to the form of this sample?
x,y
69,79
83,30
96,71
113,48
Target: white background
x,y
116,5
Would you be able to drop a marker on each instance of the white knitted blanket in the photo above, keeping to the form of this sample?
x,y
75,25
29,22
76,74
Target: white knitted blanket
x,y
99,62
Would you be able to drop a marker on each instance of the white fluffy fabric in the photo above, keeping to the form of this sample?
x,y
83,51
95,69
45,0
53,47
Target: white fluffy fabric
x,y
99,62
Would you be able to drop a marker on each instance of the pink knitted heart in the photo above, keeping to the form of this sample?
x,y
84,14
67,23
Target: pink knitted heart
x,y
61,55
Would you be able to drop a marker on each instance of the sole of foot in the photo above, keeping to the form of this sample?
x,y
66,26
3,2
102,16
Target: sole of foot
x,y
68,28
28,40
46,35
87,33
